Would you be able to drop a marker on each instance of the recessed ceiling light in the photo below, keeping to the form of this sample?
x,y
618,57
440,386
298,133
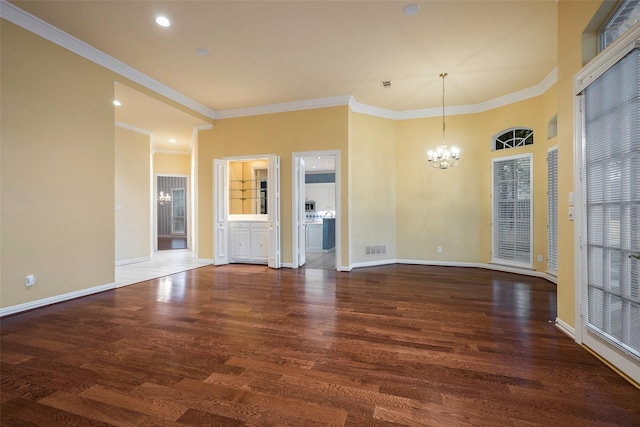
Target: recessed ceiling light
x,y
117,103
163,21
173,141
411,9
202,51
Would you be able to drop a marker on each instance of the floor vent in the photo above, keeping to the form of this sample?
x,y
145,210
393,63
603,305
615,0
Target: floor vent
x,y
375,250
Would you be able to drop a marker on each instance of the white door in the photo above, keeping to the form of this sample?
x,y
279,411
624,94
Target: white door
x,y
273,210
220,212
609,320
301,212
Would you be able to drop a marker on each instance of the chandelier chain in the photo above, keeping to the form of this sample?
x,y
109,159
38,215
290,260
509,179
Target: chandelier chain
x,y
444,157
443,75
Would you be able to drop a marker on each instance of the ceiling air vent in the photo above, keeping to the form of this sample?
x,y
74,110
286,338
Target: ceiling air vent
x,y
386,84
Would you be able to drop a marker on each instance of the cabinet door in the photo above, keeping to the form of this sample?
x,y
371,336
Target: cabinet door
x,y
314,238
260,244
310,192
331,197
241,244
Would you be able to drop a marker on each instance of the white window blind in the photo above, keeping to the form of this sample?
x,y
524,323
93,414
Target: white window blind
x,y
552,211
512,208
612,204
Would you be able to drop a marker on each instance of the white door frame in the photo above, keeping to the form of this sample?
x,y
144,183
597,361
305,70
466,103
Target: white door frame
x,y
221,215
220,208
296,201
154,197
594,69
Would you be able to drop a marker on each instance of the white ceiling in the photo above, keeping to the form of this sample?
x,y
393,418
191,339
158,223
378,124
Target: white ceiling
x,y
319,164
267,52
172,129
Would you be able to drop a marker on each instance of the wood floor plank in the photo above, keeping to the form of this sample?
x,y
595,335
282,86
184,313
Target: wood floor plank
x,y
168,410
247,345
195,417
27,412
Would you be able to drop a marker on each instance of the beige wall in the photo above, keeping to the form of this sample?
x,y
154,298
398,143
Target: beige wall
x,y
57,170
281,134
573,19
132,195
372,178
440,207
177,164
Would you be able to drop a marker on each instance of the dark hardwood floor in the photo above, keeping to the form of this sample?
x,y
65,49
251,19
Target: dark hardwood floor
x,y
245,345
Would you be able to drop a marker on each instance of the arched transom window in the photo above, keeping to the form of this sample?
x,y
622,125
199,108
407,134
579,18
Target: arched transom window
x,y
516,137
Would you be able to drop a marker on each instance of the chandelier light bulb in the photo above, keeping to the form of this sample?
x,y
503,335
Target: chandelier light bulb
x,y
164,198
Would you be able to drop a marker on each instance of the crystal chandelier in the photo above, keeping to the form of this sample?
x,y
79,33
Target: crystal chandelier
x,y
164,198
444,157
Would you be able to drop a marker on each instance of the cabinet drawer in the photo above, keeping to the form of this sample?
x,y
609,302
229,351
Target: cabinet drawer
x,y
240,224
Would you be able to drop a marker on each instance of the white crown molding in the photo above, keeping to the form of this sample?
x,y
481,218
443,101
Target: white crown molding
x,y
47,31
194,135
283,107
502,101
133,128
371,110
43,29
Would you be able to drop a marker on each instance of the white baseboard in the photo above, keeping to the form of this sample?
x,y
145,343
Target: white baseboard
x,y
566,328
132,261
55,299
496,267
207,260
286,264
440,263
372,263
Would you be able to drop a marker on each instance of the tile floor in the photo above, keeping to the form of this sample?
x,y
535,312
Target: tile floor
x,y
162,263
321,261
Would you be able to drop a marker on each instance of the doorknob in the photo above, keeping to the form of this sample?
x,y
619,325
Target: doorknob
x,y
637,256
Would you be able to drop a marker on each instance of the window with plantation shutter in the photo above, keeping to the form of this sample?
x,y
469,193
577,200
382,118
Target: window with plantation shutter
x,y
512,211
552,211
611,161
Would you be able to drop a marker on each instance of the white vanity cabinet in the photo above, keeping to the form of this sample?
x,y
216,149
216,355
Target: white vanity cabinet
x,y
249,242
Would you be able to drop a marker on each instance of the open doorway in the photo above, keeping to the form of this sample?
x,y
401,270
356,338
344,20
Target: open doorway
x,y
316,210
171,212
246,194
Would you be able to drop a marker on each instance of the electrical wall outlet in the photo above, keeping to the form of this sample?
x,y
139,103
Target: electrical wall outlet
x,y
30,280
439,249
539,258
